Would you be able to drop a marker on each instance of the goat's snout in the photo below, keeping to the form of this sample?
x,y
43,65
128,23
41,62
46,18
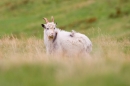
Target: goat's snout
x,y
51,35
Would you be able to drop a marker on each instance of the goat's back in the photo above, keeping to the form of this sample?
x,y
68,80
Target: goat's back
x,y
74,45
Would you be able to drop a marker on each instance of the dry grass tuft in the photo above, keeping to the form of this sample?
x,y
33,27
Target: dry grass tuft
x,y
32,50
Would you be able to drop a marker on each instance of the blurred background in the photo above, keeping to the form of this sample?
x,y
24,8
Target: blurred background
x,y
24,17
22,53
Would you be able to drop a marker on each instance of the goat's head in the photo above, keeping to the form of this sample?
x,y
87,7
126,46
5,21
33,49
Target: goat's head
x,y
49,28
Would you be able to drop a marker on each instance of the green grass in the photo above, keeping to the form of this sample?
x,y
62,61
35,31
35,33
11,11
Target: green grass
x,y
25,17
22,56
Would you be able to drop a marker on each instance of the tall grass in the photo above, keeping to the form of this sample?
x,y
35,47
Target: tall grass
x,y
23,62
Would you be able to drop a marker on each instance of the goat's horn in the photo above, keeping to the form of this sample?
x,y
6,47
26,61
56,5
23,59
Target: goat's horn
x,y
52,18
45,20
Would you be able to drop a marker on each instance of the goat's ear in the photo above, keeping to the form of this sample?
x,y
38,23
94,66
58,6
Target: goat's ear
x,y
43,25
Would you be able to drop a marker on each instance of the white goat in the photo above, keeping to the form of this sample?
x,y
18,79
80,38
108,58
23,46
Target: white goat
x,y
65,43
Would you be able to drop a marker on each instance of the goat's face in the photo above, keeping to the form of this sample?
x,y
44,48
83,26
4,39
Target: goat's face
x,y
49,29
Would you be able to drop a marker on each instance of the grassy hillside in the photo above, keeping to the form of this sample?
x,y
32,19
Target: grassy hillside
x,y
23,61
25,17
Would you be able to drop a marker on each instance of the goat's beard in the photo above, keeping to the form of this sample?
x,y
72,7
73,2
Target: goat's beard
x,y
51,37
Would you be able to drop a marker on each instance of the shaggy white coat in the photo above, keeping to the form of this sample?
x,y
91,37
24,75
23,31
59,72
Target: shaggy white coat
x,y
70,44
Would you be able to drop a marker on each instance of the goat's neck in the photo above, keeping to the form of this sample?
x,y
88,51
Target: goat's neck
x,y
50,43
51,46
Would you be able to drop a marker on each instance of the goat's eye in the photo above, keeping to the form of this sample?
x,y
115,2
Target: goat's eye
x,y
54,28
47,28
